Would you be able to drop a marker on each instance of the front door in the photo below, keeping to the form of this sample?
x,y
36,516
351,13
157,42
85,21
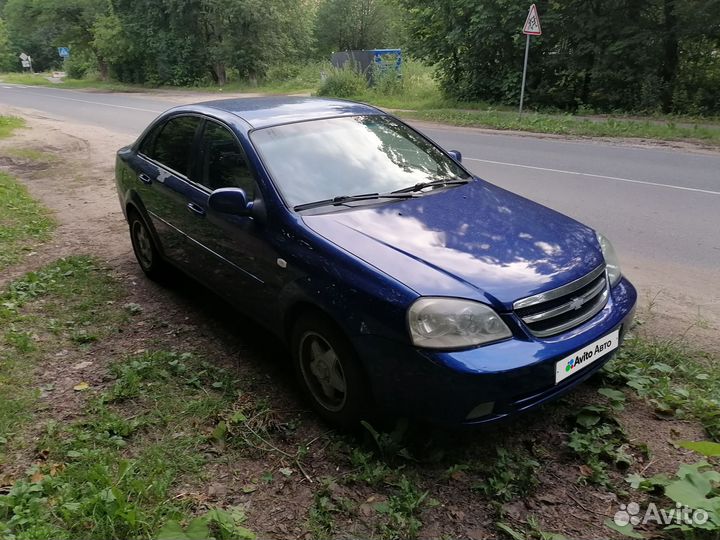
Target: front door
x,y
233,255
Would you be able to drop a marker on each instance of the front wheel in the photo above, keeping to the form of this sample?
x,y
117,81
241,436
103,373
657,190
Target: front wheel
x,y
146,252
329,372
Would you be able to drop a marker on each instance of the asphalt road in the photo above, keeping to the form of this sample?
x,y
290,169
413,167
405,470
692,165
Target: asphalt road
x,y
659,206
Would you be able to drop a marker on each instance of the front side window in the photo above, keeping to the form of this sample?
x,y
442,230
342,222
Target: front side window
x,y
224,163
322,159
173,145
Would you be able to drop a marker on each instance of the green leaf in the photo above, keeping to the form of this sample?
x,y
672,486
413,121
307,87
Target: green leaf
x,y
220,431
612,394
238,418
512,533
172,531
107,496
686,493
198,529
242,533
706,448
662,367
626,530
587,420
635,480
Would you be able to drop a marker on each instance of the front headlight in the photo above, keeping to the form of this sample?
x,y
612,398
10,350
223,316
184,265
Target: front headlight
x,y
453,323
612,263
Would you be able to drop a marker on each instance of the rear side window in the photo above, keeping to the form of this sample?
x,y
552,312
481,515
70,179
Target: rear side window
x,y
224,163
172,146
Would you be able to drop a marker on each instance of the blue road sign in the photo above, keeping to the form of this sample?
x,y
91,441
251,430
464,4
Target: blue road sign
x,y
64,52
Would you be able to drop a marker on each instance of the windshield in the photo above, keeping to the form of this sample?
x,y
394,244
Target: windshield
x,y
323,159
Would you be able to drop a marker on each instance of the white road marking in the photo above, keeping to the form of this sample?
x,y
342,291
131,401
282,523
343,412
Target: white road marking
x,y
576,173
88,101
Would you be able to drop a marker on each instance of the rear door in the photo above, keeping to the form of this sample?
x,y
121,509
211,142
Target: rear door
x,y
164,166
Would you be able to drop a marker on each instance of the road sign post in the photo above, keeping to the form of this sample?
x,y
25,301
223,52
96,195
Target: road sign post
x,y
26,61
531,28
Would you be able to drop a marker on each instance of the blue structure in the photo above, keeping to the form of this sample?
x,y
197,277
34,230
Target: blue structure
x,y
387,58
369,61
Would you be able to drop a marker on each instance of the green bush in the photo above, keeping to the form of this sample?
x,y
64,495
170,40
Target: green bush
x,y
342,83
78,65
388,82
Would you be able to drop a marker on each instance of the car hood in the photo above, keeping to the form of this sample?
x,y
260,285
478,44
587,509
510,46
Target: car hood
x,y
475,241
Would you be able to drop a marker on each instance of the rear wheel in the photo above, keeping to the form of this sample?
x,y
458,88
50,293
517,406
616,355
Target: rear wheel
x,y
146,252
329,372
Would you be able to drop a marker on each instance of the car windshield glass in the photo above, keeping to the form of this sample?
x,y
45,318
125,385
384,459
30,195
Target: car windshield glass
x,y
336,157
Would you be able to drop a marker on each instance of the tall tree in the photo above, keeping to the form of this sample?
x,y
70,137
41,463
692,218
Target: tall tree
x,y
344,25
605,54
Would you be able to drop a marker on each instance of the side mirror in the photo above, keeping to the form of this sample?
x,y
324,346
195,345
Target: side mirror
x,y
456,155
230,201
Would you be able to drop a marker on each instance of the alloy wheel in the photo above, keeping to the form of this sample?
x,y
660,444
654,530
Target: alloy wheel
x,y
323,372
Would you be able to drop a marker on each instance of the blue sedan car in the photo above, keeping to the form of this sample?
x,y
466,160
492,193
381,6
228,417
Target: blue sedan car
x,y
398,281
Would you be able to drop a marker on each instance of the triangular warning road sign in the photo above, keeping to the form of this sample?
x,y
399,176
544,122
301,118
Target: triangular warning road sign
x,y
532,23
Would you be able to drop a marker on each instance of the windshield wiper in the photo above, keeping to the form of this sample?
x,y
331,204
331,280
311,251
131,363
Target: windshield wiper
x,y
342,199
433,183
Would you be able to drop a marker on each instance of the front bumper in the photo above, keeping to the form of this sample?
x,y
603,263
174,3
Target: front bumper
x,y
515,375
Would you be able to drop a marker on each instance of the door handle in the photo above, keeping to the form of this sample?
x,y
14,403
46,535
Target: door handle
x,y
144,178
196,209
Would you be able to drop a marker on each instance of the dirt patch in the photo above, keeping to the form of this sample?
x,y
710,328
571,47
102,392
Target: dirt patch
x,y
78,188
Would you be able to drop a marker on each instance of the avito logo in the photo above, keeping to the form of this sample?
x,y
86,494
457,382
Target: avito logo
x,y
574,362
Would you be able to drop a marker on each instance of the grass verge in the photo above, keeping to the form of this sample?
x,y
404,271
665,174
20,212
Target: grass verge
x,y
144,420
24,223
677,381
111,474
61,306
291,84
8,124
568,125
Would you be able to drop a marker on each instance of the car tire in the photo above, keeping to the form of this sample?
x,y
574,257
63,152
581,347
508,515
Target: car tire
x,y
329,371
146,251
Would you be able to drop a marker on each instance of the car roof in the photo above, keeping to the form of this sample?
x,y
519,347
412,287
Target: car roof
x,y
269,111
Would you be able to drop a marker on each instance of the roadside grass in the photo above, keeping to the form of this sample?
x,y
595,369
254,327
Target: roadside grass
x,y
58,307
416,96
297,80
677,381
568,124
111,472
8,124
24,223
41,79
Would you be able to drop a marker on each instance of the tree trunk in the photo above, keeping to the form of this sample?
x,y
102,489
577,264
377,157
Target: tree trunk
x,y
104,69
220,73
671,55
